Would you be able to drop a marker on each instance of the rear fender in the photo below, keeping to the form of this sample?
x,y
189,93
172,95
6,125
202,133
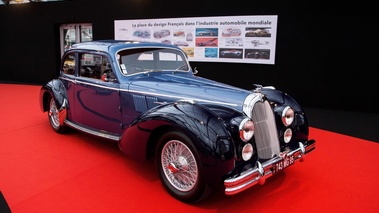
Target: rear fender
x,y
56,90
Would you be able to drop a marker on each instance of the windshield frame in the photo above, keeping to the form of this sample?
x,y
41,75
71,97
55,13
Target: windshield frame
x,y
133,61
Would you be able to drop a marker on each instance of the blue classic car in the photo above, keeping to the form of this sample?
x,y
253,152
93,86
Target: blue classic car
x,y
202,134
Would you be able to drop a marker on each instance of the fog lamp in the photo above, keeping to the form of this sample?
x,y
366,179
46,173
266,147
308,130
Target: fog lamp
x,y
247,151
287,136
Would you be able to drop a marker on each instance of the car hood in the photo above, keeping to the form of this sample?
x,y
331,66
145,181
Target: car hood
x,y
173,87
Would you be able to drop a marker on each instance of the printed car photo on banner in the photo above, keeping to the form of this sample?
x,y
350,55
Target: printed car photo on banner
x,y
239,39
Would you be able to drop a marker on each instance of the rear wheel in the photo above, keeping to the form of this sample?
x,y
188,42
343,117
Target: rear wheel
x,y
179,167
53,115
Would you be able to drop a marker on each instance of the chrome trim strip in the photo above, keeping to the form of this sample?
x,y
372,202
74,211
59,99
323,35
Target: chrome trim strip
x,y
146,93
255,175
96,85
67,79
75,81
250,102
92,132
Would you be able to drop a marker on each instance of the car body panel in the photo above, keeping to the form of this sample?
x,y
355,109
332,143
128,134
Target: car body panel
x,y
135,107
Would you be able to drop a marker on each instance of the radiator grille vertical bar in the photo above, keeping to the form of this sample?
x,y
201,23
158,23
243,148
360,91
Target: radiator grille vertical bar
x,y
266,136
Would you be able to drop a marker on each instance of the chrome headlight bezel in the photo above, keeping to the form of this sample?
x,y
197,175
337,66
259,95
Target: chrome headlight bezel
x,y
287,135
246,130
288,116
247,151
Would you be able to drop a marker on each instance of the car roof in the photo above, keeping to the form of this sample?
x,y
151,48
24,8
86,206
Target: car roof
x,y
116,45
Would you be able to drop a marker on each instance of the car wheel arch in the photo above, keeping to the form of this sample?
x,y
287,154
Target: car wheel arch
x,y
147,129
56,90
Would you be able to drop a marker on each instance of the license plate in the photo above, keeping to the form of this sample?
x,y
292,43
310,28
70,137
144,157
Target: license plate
x,y
284,163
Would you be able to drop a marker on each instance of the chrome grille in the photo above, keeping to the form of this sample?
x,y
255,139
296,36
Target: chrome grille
x,y
266,136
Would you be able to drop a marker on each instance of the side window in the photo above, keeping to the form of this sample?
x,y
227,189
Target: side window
x,y
90,65
69,64
107,74
95,66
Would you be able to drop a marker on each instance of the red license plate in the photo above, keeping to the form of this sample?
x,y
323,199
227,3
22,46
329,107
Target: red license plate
x,y
284,163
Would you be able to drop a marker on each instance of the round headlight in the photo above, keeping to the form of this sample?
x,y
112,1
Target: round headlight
x,y
246,129
287,136
288,116
247,151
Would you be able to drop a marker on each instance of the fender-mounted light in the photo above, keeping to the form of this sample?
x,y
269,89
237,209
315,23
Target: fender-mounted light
x,y
246,129
287,135
247,151
288,116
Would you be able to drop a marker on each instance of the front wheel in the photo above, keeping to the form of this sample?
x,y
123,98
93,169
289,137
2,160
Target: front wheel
x,y
179,167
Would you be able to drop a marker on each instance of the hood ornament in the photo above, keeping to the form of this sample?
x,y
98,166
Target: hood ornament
x,y
258,88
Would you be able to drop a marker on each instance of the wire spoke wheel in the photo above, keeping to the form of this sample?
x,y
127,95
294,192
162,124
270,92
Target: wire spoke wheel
x,y
53,114
179,165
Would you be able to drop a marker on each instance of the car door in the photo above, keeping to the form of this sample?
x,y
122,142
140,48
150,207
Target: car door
x,y
97,102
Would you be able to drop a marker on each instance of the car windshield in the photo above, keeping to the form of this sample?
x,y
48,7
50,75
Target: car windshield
x,y
138,60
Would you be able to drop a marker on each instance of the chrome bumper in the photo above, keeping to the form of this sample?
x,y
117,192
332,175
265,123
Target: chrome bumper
x,y
262,171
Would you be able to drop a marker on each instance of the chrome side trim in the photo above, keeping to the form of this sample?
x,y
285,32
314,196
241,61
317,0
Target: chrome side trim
x,y
146,93
262,171
92,132
96,84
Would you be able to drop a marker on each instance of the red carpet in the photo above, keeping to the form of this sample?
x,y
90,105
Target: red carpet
x,y
41,171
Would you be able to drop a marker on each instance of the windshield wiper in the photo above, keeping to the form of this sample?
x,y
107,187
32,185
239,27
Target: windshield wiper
x,y
182,66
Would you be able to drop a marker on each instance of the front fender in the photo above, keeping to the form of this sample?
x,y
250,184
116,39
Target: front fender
x,y
55,89
206,130
281,99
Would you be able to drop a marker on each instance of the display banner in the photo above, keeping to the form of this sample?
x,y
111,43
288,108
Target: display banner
x,y
239,39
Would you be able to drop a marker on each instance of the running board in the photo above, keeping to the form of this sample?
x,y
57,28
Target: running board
x,y
92,132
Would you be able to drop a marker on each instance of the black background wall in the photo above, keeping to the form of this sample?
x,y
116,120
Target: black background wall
x,y
326,55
